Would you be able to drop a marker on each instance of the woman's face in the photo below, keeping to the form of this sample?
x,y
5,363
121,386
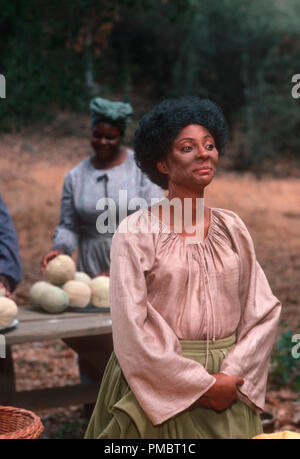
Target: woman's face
x,y
106,140
192,150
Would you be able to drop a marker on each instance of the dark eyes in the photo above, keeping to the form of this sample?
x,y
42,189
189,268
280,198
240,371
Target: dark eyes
x,y
188,148
106,138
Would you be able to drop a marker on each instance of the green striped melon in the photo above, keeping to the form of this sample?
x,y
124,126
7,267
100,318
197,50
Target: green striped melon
x,y
36,292
54,300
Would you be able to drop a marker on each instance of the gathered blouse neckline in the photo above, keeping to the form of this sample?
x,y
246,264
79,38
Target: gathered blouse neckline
x,y
167,229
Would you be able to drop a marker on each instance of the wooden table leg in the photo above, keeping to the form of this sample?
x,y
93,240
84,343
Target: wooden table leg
x,y
93,355
7,377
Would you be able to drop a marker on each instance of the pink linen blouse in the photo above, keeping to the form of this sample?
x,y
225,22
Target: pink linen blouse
x,y
163,290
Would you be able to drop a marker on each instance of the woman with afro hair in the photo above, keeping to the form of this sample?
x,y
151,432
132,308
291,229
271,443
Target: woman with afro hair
x,y
194,319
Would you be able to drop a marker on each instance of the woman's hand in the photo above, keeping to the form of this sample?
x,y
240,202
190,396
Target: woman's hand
x,y
5,286
222,394
49,256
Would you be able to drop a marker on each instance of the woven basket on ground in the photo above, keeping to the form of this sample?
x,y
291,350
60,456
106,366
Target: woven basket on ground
x,y
17,423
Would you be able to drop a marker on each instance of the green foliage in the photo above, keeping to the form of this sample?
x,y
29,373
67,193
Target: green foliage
x,y
240,53
285,368
71,430
243,55
47,54
42,72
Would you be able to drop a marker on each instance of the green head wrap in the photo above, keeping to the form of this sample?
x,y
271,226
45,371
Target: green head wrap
x,y
116,113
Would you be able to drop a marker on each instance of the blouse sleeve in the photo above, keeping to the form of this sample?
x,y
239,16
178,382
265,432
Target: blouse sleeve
x,y
67,233
149,353
258,325
10,262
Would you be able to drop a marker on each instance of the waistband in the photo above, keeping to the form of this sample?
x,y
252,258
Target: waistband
x,y
201,345
92,233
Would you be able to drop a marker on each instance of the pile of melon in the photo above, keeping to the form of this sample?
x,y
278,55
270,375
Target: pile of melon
x,y
65,287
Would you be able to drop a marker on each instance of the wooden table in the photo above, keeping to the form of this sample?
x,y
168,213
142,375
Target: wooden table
x,y
88,333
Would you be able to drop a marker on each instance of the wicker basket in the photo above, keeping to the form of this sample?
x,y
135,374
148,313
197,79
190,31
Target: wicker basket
x,y
17,423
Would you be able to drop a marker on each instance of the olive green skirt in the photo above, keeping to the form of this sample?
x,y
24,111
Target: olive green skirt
x,y
117,413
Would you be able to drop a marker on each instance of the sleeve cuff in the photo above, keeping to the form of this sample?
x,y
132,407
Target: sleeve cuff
x,y
9,282
63,247
208,380
245,394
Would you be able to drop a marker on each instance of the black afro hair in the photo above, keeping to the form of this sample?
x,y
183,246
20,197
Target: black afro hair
x,y
159,128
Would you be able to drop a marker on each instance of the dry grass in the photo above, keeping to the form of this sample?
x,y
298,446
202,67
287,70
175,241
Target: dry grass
x,y
271,210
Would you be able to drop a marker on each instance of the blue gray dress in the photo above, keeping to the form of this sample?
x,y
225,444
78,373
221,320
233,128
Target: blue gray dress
x,y
10,262
84,186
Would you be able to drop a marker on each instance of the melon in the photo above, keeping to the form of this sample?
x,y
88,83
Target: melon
x,y
100,291
79,293
35,293
60,270
54,300
8,311
82,277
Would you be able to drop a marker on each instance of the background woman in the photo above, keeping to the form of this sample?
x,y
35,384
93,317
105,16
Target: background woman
x,y
193,324
111,168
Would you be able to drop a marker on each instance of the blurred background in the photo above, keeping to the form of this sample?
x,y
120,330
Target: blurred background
x,y
242,54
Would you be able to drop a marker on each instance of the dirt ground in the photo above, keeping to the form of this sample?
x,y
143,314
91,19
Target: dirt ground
x,y
32,168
